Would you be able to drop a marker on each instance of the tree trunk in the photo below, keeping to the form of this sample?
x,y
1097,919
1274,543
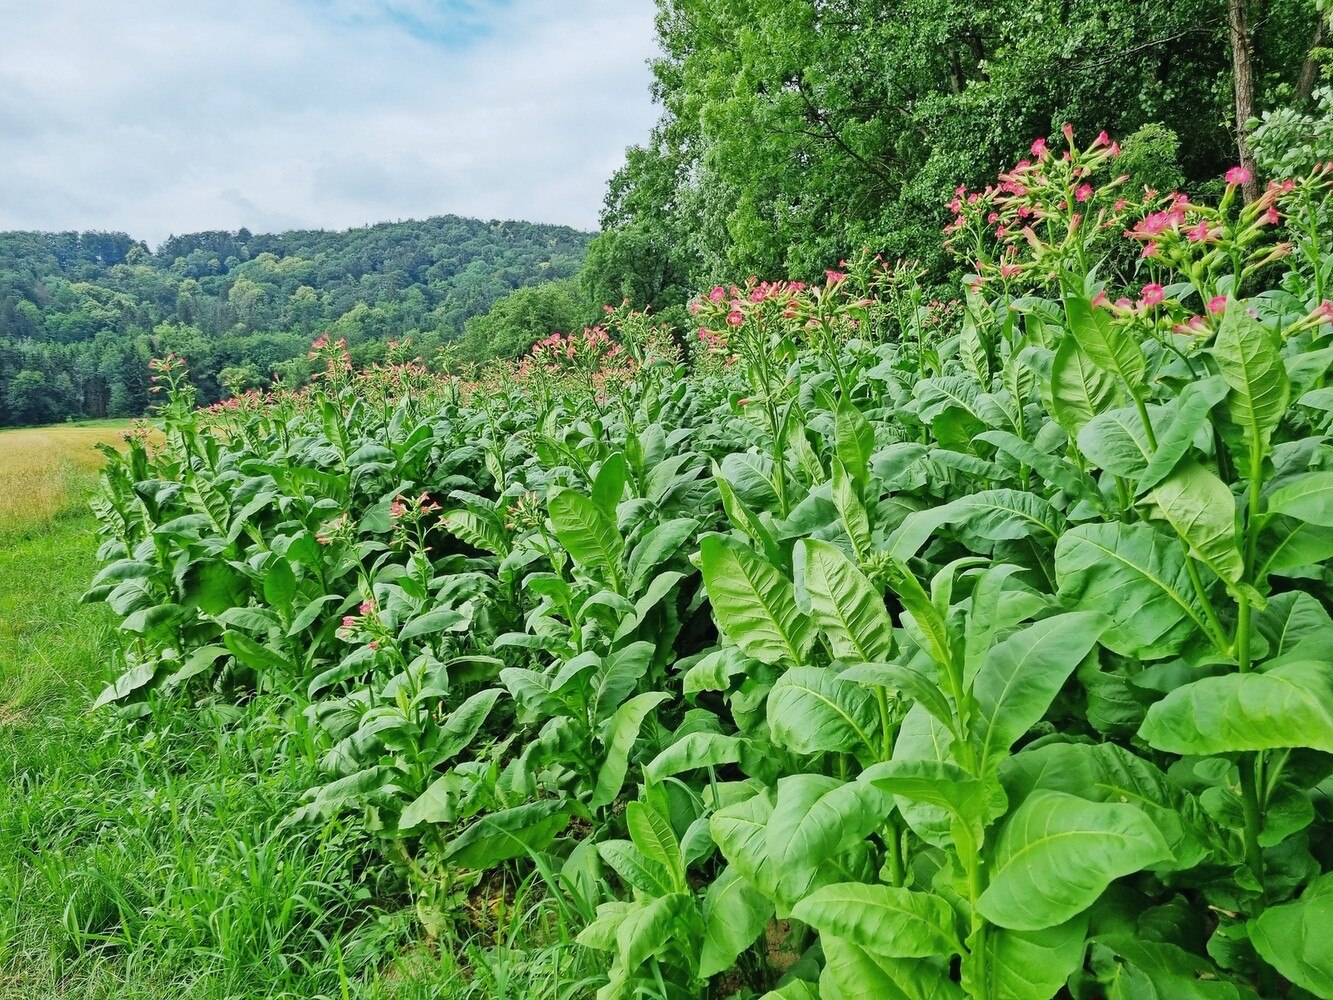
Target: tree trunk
x,y
1310,69
1243,81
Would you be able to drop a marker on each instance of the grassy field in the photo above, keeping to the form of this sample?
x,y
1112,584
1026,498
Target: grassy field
x,y
44,469
146,860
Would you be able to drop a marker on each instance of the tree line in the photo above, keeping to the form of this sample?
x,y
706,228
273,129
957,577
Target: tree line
x,y
81,313
792,133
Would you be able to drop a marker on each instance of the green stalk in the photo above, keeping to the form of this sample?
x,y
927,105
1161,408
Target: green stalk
x,y
1251,766
882,698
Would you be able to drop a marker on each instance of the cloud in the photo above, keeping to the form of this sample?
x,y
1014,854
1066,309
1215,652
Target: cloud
x,y
170,116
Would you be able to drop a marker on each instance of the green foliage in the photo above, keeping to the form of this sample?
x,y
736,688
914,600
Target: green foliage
x,y
795,133
979,648
84,311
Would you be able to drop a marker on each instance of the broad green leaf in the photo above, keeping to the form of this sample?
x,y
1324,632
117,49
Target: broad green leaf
x,y
884,920
847,609
744,519
1147,968
855,520
1001,515
652,834
855,440
509,833
656,547
812,824
1054,469
1291,547
853,973
735,914
1031,965
440,620
437,804
697,750
1106,772
1185,416
1111,348
1136,575
1079,390
1291,618
1057,853
586,532
810,712
619,674
924,752
648,929
462,725
1202,510
1288,706
634,869
131,680
939,783
279,582
1252,368
1116,441
1309,498
1294,937
609,485
1020,677
601,933
754,605
622,732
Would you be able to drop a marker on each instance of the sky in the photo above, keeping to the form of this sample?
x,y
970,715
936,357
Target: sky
x,y
156,117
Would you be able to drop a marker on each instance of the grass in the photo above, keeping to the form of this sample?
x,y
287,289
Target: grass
x,y
147,859
42,467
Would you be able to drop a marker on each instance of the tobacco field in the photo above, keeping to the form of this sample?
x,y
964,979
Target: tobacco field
x,y
856,644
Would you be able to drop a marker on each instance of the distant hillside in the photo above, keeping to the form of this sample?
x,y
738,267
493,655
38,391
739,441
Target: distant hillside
x,y
81,312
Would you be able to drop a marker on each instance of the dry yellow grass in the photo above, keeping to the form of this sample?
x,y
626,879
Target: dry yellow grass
x,y
46,469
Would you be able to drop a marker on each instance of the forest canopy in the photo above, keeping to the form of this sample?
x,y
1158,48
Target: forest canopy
x,y
793,134
81,313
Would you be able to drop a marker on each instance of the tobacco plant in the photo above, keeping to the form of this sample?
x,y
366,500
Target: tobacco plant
x,y
890,647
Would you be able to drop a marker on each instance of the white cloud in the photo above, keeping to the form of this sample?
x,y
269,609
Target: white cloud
x,y
162,116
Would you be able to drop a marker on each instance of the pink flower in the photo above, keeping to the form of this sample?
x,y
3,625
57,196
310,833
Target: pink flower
x,y
397,509
1119,205
1149,250
1101,140
1039,148
718,294
834,276
1068,131
366,607
1199,234
1325,311
1083,192
1217,303
374,644
1271,217
1153,294
734,318
1237,175
349,621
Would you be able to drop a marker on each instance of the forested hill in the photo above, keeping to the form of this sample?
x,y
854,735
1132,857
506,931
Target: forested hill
x,y
80,313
